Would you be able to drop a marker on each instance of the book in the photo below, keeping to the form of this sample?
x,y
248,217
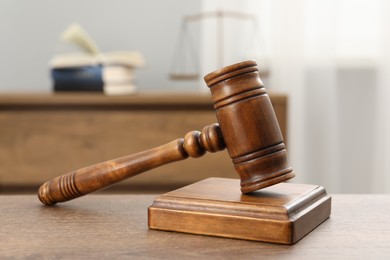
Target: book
x,y
75,34
92,70
122,58
114,74
86,78
112,80
119,89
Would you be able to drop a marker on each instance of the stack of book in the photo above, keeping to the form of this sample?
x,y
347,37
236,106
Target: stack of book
x,y
90,70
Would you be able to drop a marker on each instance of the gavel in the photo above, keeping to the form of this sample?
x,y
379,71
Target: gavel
x,y
247,127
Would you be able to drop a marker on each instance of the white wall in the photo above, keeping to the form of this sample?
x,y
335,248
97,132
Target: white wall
x,y
29,33
338,115
327,56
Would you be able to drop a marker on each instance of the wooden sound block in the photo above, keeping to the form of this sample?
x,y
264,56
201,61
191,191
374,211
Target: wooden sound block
x,y
282,213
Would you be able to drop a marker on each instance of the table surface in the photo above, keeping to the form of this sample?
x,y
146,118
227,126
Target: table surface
x,y
115,226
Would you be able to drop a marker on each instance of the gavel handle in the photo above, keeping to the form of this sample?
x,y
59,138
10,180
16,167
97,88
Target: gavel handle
x,y
93,178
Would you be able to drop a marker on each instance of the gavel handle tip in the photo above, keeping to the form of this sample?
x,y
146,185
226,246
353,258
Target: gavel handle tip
x,y
44,195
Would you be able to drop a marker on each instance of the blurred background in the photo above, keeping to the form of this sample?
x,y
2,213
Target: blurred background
x,y
329,58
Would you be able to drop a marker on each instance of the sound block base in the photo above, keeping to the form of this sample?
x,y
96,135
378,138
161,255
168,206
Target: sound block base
x,y
282,213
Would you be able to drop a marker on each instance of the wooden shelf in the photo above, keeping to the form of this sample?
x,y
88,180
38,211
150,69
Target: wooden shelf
x,y
46,135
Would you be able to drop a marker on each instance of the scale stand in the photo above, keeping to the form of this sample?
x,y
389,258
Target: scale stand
x,y
185,64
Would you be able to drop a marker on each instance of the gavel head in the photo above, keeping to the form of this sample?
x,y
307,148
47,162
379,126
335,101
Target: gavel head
x,y
249,126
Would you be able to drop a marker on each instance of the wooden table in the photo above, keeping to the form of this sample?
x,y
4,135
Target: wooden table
x,y
115,227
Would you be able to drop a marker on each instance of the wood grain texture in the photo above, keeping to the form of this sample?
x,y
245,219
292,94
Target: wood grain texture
x,y
282,213
43,136
249,126
115,227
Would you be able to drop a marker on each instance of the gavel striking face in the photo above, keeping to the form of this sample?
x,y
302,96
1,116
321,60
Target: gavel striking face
x,y
247,127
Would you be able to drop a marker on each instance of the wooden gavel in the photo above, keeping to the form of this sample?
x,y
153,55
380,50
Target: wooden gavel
x,y
247,127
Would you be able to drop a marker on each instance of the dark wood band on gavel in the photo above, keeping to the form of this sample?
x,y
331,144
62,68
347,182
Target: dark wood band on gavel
x,y
249,126
102,175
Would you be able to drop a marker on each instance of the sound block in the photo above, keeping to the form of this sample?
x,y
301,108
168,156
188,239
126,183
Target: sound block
x,y
282,213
